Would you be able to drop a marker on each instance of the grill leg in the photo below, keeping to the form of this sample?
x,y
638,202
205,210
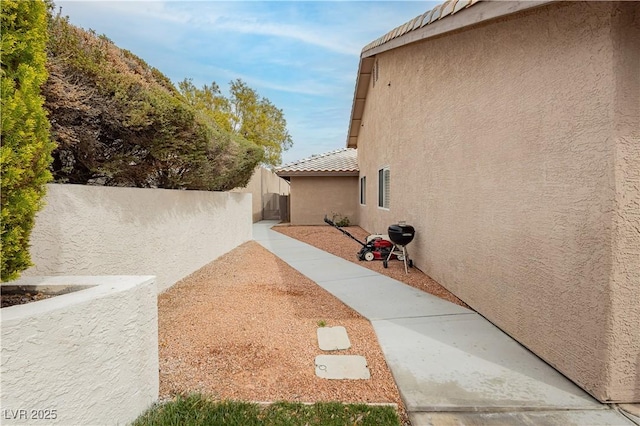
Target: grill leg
x,y
404,258
391,252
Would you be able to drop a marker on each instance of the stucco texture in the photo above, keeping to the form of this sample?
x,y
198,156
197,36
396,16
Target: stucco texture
x,y
262,185
313,197
92,230
513,151
83,358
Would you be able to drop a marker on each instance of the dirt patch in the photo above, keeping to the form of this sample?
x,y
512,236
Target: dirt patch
x,y
333,241
244,328
12,299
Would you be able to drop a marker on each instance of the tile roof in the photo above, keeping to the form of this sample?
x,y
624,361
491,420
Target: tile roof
x,y
443,10
342,161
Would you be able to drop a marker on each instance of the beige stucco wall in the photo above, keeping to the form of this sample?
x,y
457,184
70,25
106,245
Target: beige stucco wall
x,y
313,197
97,230
625,275
263,181
514,151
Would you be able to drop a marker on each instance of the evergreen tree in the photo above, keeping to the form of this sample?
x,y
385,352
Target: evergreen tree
x,y
26,148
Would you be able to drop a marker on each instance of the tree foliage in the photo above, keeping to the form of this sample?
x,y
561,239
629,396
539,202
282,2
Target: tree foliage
x,y
117,121
245,113
208,100
25,154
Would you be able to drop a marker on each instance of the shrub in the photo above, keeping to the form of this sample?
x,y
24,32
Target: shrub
x,y
119,122
25,154
340,220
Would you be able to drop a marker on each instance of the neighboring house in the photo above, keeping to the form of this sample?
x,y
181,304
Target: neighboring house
x,y
325,184
507,134
269,195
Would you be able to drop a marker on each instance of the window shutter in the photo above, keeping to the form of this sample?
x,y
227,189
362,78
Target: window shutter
x,y
387,187
384,188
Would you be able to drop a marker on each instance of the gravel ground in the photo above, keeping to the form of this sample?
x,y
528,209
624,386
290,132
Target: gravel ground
x,y
244,327
333,241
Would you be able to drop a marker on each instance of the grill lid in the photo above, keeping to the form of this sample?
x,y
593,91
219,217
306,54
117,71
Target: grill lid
x,y
401,234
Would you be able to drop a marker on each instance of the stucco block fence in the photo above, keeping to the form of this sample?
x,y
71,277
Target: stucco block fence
x,y
91,356
82,358
97,230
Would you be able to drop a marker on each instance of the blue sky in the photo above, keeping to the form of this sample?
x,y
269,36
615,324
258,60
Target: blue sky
x,y
302,55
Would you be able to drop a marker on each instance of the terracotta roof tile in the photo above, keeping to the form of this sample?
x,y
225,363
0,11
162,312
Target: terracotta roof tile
x,y
461,4
441,11
447,8
343,160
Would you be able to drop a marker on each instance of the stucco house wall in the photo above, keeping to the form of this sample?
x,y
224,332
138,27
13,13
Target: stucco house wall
x,y
514,149
313,197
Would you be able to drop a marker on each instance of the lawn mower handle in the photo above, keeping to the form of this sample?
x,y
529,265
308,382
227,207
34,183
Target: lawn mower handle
x,y
330,222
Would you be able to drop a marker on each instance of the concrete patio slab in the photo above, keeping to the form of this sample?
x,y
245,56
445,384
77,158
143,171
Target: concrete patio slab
x,y
537,418
333,338
371,296
340,367
328,268
281,245
632,411
464,363
295,252
262,231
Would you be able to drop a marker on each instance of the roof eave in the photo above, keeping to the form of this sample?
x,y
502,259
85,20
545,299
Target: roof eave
x,y
284,174
365,67
480,13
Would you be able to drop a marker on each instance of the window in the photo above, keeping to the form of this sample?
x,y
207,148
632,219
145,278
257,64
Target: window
x,y
363,190
384,187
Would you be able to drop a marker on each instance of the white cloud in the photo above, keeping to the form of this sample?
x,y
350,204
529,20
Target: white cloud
x,y
312,37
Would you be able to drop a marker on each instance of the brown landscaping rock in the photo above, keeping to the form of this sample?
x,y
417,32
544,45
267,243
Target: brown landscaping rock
x,y
244,328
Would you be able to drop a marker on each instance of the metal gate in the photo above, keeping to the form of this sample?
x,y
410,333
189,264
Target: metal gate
x,y
275,207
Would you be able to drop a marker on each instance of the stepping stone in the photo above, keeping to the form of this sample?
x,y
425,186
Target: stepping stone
x,y
353,367
333,338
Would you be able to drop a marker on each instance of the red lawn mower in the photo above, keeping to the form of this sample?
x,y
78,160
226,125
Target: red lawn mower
x,y
378,247
375,248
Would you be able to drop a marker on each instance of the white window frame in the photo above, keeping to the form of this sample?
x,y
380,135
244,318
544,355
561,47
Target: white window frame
x,y
363,191
384,188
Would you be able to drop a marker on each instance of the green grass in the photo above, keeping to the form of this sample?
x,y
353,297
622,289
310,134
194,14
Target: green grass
x,y
197,409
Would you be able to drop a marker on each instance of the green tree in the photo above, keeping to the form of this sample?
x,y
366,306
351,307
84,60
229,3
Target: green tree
x,y
208,100
25,154
245,113
256,119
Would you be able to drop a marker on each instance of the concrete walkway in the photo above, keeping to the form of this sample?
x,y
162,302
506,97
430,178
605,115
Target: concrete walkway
x,y
450,364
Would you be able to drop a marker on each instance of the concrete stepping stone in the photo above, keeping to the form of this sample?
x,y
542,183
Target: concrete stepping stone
x,y
340,367
333,338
